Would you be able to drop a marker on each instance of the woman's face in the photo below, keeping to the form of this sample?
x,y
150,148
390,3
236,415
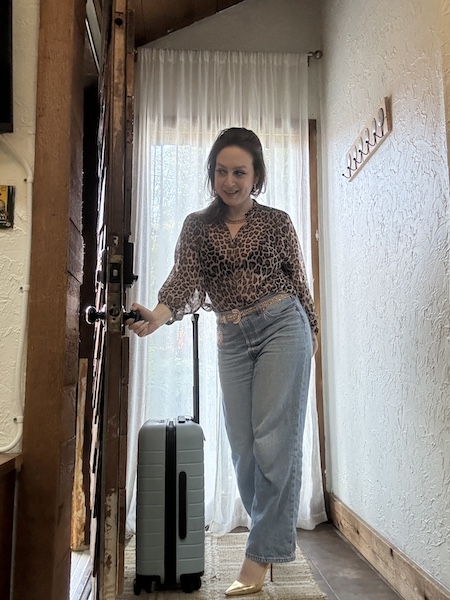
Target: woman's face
x,y
234,177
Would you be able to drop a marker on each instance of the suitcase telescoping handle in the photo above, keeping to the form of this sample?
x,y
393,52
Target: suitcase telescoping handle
x,y
196,387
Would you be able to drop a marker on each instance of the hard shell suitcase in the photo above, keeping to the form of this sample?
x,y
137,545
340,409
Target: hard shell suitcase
x,y
170,521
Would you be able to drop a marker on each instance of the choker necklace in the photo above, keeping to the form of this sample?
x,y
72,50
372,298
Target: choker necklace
x,y
240,221
237,222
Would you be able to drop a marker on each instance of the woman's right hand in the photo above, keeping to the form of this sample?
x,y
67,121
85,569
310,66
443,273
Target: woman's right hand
x,y
150,319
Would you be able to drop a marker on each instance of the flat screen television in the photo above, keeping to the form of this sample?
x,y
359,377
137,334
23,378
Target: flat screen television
x,y
6,75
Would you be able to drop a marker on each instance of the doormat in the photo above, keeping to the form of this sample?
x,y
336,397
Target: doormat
x,y
223,558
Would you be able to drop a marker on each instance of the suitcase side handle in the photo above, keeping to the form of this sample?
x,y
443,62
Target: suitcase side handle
x,y
182,510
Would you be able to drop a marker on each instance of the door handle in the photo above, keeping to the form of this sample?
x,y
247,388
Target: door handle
x,y
132,314
91,315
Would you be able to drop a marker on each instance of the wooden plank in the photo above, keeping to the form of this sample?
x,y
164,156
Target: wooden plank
x,y
314,200
67,414
75,252
122,476
42,557
7,489
87,290
405,576
117,135
110,443
61,576
108,582
64,497
129,119
113,377
141,34
121,517
116,95
127,200
95,482
9,462
78,541
70,367
98,358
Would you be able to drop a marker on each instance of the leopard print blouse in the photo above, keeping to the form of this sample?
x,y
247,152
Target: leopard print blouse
x,y
214,271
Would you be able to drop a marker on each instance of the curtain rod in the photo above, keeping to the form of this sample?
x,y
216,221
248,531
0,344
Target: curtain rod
x,y
316,54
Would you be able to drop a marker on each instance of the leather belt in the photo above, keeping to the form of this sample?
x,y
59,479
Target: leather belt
x,y
235,315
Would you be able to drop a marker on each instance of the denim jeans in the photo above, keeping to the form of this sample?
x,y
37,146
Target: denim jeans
x,y
264,366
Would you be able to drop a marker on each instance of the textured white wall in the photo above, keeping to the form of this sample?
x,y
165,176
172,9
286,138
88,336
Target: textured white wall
x,y
16,164
385,250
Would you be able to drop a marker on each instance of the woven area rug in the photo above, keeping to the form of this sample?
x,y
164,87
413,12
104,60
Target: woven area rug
x,y
223,557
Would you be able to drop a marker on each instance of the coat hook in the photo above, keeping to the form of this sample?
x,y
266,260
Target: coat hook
x,y
361,148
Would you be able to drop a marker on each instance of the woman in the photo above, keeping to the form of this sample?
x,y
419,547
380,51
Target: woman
x,y
246,259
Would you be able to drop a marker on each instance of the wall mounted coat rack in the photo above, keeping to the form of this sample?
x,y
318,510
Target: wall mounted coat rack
x,y
369,140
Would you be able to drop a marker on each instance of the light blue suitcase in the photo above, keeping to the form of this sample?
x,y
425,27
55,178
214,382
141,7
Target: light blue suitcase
x,y
170,515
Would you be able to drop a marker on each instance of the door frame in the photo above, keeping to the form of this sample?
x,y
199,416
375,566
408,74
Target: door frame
x,y
315,284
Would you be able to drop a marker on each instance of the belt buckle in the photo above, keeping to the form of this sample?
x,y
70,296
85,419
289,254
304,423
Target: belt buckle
x,y
235,316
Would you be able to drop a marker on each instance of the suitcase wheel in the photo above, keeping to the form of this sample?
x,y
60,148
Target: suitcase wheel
x,y
197,584
136,588
190,583
142,582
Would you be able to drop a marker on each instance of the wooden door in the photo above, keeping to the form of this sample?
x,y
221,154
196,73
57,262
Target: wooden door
x,y
114,275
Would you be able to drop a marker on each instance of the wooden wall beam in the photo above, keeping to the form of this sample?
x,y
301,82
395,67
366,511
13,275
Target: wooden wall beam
x,y
42,559
406,577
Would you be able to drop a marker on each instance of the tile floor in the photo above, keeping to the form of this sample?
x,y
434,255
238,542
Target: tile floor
x,y
339,570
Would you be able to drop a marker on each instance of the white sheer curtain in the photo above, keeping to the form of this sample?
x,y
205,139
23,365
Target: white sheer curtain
x,y
183,100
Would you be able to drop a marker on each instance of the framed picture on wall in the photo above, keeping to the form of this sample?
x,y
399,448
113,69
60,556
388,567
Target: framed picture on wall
x,y
6,206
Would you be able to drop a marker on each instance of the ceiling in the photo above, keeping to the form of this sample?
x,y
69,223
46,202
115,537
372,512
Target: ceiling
x,y
153,19
157,18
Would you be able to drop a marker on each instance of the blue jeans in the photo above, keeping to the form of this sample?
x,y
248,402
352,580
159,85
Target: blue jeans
x,y
264,366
